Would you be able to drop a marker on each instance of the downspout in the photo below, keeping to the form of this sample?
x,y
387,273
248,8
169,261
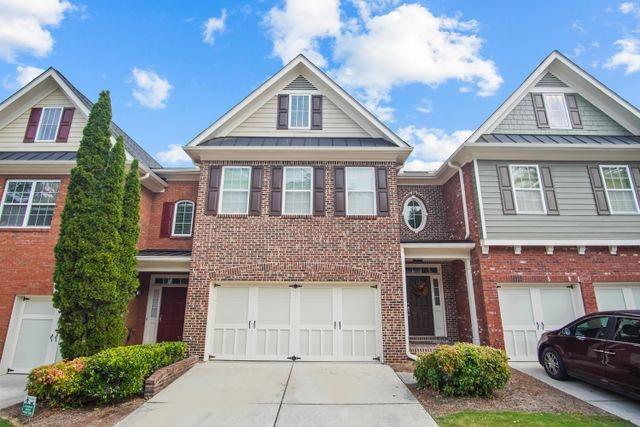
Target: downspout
x,y
464,199
406,314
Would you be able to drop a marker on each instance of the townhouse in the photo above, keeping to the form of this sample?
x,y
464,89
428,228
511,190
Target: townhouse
x,y
297,236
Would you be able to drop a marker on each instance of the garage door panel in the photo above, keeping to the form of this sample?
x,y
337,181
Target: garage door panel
x,y
273,322
557,307
358,323
230,335
618,297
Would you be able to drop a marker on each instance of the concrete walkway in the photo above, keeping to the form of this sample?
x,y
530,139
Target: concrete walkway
x,y
613,403
284,394
12,389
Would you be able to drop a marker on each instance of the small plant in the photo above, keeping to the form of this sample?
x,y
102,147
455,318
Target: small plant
x,y
59,384
463,369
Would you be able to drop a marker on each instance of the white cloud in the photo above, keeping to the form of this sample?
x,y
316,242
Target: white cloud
x,y
299,27
212,26
425,106
24,74
431,146
577,27
627,57
578,50
24,26
151,91
629,7
175,155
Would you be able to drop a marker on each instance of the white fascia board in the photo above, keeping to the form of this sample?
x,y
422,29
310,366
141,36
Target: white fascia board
x,y
35,167
163,263
545,152
437,251
177,174
558,242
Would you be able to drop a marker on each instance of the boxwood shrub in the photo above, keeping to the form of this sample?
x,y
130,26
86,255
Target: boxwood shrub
x,y
106,377
463,369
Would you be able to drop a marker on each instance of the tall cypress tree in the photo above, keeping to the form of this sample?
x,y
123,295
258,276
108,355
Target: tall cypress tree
x,y
87,272
129,234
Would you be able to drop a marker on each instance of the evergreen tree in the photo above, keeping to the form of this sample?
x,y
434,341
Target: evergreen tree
x,y
129,234
87,272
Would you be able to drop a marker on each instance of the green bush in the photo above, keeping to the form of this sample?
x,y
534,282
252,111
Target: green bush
x,y
108,376
463,370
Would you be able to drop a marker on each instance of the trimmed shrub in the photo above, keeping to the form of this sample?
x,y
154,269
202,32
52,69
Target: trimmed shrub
x,y
463,369
106,377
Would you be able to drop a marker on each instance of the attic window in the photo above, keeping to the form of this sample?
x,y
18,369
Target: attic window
x,y
557,112
299,111
49,123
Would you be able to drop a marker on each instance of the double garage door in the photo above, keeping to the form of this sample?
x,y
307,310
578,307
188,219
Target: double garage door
x,y
308,322
618,297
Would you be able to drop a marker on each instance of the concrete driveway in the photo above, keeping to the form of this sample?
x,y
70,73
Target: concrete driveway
x,y
12,389
613,403
284,394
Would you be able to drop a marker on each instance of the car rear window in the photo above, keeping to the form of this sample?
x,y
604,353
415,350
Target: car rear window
x,y
594,327
627,330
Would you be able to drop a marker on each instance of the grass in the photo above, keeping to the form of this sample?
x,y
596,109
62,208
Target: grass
x,y
480,419
5,423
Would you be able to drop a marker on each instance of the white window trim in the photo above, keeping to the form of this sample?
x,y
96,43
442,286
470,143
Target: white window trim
x,y
29,202
346,191
514,189
424,214
222,190
54,107
309,114
606,190
565,110
175,216
284,190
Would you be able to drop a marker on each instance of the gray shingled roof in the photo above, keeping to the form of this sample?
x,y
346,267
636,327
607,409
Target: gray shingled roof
x,y
560,139
163,252
249,141
38,155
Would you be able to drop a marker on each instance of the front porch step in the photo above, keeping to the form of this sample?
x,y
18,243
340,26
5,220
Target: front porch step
x,y
426,344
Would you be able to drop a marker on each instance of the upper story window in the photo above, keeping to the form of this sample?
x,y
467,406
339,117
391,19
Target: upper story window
x,y
297,191
619,189
183,219
49,124
557,112
527,189
415,214
28,203
299,111
234,192
361,191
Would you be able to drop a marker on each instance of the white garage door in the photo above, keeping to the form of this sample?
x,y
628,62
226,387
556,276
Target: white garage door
x,y
618,297
310,322
529,311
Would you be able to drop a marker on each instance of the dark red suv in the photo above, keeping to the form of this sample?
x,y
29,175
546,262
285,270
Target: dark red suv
x,y
600,348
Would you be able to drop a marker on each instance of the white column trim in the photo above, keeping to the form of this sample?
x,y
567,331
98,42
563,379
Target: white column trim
x,y
473,314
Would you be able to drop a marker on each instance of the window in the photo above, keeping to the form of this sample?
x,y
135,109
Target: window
x,y
620,193
557,113
436,292
627,330
183,218
28,203
299,111
527,189
49,123
361,191
234,195
297,191
415,214
595,327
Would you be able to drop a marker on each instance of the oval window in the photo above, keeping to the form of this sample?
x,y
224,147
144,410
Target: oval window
x,y
415,214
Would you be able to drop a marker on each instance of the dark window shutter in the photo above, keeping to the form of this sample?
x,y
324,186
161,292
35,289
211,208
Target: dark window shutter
x,y
32,125
316,112
276,191
213,190
283,112
339,191
255,199
540,112
506,191
65,124
549,191
382,191
318,191
635,176
574,112
599,192
167,219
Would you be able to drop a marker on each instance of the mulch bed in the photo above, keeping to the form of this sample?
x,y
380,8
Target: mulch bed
x,y
88,416
523,393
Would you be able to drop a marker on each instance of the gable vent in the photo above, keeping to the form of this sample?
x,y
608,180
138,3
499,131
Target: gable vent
x,y
549,80
300,83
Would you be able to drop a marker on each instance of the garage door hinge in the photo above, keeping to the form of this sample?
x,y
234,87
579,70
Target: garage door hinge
x,y
216,285
377,358
293,358
26,299
374,286
295,286
9,370
211,357
570,286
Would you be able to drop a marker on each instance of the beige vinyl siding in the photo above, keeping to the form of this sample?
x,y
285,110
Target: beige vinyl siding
x,y
14,131
335,123
578,217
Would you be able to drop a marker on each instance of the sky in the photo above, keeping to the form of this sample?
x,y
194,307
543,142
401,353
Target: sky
x,y
433,71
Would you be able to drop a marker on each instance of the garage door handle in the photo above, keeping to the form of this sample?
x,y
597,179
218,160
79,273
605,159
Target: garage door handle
x,y
254,324
334,324
340,325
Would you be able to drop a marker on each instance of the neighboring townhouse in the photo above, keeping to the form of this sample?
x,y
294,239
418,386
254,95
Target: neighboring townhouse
x,y
298,237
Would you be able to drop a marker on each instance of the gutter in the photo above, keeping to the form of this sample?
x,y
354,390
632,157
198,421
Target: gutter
x,y
464,198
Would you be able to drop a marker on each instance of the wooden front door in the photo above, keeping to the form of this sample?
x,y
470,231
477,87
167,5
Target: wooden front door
x,y
420,308
172,306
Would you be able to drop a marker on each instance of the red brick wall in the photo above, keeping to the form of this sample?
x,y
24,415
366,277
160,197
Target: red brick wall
x,y
267,248
436,223
175,192
26,257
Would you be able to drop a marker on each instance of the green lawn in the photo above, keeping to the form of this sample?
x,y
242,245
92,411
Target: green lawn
x,y
5,423
480,419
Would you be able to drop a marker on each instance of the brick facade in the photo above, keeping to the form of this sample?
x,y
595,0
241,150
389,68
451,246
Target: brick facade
x,y
306,248
436,223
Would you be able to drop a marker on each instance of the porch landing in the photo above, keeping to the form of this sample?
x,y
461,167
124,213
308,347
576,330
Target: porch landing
x,y
426,344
